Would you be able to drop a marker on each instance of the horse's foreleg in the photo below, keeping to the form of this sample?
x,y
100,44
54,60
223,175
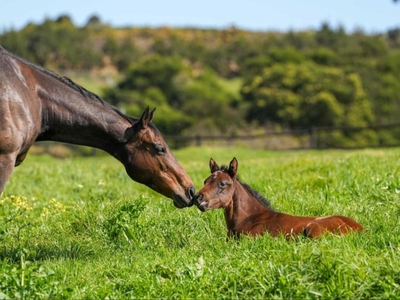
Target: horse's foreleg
x,y
7,163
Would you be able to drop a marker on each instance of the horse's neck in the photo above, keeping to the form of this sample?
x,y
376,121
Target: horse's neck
x,y
68,116
243,205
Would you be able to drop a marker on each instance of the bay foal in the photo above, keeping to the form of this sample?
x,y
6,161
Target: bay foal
x,y
247,212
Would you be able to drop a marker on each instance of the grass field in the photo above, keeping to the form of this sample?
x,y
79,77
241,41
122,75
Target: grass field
x,y
81,229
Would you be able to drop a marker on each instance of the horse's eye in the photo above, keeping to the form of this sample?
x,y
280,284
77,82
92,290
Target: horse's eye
x,y
160,149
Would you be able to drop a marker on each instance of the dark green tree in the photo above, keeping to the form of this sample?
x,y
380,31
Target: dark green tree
x,y
307,95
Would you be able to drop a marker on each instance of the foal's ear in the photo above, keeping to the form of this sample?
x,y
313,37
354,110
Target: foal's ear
x,y
233,166
213,166
146,117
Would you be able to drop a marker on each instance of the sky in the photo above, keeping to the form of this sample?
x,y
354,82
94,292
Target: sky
x,y
372,16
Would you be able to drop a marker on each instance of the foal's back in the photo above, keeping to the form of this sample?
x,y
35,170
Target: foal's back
x,y
276,224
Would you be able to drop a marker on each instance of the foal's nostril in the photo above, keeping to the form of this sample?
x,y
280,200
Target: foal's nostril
x,y
198,198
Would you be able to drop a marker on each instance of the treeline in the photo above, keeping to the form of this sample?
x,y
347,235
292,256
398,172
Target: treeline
x,y
231,81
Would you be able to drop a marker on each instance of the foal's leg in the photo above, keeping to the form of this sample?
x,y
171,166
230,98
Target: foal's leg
x,y
7,163
351,224
320,226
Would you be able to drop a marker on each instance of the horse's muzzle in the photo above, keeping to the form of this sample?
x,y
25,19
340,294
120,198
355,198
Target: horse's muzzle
x,y
191,193
187,201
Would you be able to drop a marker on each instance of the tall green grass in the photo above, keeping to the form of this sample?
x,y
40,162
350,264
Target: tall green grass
x,y
80,228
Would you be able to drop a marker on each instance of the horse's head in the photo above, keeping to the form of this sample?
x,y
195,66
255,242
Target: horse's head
x,y
218,188
149,161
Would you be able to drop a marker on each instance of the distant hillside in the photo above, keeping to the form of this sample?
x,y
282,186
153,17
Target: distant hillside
x,y
325,77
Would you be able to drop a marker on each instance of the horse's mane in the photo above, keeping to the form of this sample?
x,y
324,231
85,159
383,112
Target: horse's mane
x,y
69,82
264,201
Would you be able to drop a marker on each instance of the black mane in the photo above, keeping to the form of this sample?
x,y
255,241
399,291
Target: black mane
x,y
264,201
69,82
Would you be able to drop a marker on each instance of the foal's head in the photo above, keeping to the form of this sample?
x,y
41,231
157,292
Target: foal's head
x,y
218,188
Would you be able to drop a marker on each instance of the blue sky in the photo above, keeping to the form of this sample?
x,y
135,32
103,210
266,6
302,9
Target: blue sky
x,y
372,16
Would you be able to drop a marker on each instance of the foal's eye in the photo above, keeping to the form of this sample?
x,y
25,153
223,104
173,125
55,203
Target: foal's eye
x,y
222,184
160,149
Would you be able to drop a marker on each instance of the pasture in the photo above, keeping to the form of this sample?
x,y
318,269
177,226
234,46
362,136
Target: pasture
x,y
80,228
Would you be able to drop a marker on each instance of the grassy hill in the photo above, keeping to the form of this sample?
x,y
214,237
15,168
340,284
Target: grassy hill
x,y
80,228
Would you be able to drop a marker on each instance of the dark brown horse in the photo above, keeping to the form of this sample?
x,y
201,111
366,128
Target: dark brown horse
x,y
247,212
38,105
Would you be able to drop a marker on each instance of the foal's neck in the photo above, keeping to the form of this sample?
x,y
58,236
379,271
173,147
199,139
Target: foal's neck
x,y
242,206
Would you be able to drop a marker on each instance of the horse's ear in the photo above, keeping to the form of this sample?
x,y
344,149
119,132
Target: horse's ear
x,y
213,166
233,166
146,117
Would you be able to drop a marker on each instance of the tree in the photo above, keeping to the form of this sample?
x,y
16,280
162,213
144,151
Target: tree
x,y
306,95
94,21
184,95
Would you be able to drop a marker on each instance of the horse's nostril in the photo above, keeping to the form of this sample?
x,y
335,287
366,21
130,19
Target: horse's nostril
x,y
192,192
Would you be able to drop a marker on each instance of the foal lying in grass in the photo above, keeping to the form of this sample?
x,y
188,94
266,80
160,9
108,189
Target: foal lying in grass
x,y
247,212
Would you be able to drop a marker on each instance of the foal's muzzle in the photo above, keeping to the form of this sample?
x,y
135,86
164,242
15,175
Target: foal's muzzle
x,y
200,202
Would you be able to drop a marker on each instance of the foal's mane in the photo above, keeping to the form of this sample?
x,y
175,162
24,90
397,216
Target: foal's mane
x,y
264,201
69,82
